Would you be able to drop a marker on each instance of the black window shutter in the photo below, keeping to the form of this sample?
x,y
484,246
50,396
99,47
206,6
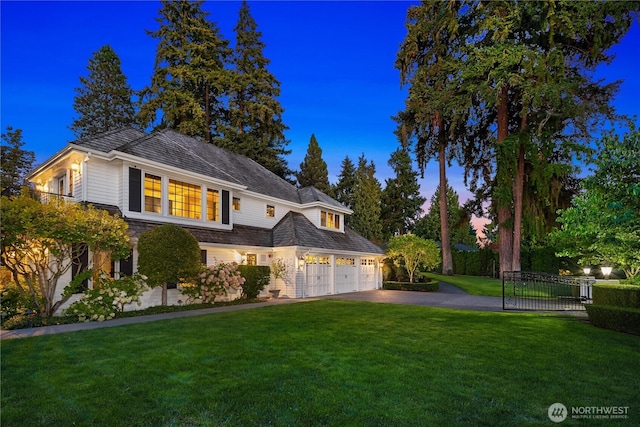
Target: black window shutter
x,y
135,189
225,207
126,265
203,256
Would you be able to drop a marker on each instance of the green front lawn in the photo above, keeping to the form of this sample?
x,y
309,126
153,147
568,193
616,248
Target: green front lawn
x,y
323,362
474,285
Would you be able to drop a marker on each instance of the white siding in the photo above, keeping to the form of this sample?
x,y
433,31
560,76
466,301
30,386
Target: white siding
x,y
287,285
103,181
253,212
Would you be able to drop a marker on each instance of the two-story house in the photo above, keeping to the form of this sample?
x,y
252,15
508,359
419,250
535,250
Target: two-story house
x,y
237,210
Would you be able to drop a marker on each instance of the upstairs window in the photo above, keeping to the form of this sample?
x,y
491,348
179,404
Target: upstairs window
x,y
271,211
213,205
184,199
152,193
329,220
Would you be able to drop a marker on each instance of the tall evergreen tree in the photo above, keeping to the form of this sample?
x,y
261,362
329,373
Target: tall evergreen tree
x,y
401,199
104,101
255,127
428,61
343,190
313,169
16,162
189,80
366,202
531,79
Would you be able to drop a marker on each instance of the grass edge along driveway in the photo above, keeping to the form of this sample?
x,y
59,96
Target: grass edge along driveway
x,y
474,285
322,362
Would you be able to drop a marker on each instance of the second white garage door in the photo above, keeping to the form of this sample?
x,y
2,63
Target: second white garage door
x,y
345,275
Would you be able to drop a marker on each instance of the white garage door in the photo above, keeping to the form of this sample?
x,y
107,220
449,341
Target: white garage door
x,y
368,274
318,275
346,275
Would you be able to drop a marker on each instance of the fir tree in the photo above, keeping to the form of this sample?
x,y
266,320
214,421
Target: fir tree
x,y
16,162
256,129
500,78
313,170
189,80
103,102
366,202
343,190
401,199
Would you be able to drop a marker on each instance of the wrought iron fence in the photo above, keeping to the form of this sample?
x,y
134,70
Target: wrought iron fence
x,y
544,292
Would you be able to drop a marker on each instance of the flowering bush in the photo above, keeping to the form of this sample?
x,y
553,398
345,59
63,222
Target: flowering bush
x,y
213,281
108,297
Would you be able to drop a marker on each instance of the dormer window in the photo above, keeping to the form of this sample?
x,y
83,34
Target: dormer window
x,y
329,220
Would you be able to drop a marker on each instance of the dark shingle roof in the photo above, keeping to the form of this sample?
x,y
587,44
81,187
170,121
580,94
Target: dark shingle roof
x,y
312,194
110,140
296,230
293,230
241,235
183,152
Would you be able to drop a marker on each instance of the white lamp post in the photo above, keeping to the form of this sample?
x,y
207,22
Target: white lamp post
x,y
606,271
586,270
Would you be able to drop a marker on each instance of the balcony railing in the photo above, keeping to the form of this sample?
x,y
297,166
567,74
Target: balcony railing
x,y
45,197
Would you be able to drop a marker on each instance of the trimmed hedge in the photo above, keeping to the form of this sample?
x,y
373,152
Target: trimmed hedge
x,y
621,319
256,278
431,286
617,295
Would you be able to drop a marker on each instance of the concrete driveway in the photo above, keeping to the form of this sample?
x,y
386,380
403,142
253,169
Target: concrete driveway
x,y
447,297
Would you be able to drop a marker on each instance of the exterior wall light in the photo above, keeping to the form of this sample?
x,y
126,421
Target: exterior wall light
x,y
301,262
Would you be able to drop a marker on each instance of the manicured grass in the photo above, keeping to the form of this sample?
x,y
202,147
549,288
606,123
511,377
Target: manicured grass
x,y
472,284
324,362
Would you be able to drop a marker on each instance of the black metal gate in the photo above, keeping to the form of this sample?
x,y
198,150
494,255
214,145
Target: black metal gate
x,y
544,292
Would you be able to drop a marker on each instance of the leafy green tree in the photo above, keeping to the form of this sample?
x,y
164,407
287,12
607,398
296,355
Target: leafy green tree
x,y
461,230
168,253
41,242
411,251
603,224
366,202
255,129
344,188
104,101
401,199
190,80
16,162
313,169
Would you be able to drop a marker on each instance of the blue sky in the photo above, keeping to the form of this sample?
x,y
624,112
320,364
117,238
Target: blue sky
x,y
334,61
